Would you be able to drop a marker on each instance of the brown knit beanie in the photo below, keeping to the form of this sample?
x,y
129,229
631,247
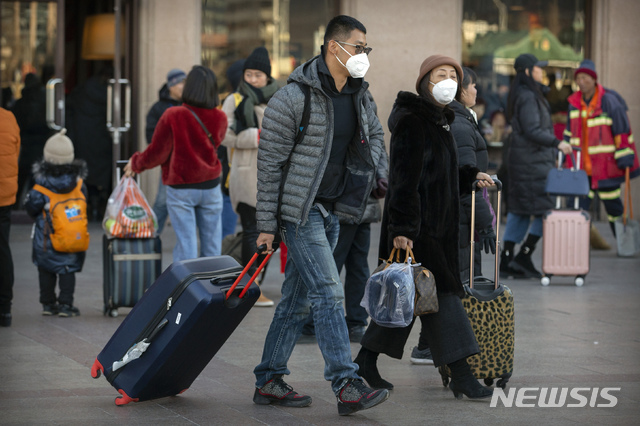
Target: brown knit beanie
x,y
434,61
58,149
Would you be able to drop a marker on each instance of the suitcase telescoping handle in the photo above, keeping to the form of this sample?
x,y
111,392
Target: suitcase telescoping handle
x,y
246,268
474,187
575,160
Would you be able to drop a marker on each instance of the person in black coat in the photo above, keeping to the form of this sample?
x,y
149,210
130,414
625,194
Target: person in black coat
x,y
421,211
472,151
30,112
532,153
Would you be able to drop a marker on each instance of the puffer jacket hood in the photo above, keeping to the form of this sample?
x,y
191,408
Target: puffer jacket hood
x,y
59,178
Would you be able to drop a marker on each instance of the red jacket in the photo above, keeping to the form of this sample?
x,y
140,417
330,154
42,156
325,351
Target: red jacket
x,y
608,148
182,148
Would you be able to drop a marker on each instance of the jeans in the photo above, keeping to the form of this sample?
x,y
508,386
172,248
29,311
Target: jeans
x,y
195,212
66,282
160,206
229,217
517,226
311,282
352,252
6,261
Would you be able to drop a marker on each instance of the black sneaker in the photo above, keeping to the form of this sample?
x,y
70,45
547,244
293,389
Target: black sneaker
x,y
422,357
68,311
356,396
278,392
49,310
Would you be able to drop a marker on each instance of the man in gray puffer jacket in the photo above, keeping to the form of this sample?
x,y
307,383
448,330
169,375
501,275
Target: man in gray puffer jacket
x,y
304,190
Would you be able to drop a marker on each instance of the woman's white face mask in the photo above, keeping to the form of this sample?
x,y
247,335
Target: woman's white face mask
x,y
356,65
445,91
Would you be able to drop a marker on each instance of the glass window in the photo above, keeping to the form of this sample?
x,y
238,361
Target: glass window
x,y
291,30
27,45
495,32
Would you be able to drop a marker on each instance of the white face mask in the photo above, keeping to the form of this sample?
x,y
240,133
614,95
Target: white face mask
x,y
356,65
445,91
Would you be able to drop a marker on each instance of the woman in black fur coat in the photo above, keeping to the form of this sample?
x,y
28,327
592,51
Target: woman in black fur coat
x,y
422,211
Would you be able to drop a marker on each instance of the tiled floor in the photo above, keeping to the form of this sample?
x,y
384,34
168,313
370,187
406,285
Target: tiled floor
x,y
566,337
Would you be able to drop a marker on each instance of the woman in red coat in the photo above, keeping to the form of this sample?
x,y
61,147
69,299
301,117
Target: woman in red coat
x,y
185,144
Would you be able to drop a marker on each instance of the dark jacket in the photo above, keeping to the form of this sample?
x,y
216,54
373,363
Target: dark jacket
x,y
153,116
30,112
423,200
60,179
309,159
532,153
87,128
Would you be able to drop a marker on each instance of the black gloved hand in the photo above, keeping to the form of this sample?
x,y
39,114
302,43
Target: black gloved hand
x,y
381,188
487,240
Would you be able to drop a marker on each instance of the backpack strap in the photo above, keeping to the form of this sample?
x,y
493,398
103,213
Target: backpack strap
x,y
306,113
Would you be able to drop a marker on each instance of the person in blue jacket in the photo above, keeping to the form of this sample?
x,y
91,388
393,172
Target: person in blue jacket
x,y
58,172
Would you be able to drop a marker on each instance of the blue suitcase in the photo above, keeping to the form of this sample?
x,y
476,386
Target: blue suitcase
x,y
129,267
175,329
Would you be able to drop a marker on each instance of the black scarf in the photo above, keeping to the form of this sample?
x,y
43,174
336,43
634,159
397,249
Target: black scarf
x,y
245,115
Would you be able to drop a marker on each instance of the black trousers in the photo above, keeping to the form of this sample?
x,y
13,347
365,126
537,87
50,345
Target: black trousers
x,y
67,283
6,261
448,332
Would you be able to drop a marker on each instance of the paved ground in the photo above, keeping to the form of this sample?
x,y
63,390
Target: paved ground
x,y
566,337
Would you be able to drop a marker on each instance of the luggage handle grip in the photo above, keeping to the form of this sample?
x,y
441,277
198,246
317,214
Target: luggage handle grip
x,y
246,268
474,187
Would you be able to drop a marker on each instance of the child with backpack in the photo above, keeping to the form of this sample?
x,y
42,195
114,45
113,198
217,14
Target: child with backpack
x,y
58,203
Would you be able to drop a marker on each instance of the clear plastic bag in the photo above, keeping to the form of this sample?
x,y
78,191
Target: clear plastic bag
x,y
128,213
389,296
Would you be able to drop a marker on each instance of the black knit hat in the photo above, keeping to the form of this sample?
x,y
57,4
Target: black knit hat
x,y
258,60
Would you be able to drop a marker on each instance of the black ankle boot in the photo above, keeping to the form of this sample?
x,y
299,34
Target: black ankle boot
x,y
506,257
368,369
522,263
464,382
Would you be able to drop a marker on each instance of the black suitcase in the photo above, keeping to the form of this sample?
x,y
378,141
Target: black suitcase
x,y
489,306
130,266
180,323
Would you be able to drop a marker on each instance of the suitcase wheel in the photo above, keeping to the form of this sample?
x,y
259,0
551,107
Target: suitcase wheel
x,y
488,382
113,312
124,399
502,383
579,281
545,281
96,369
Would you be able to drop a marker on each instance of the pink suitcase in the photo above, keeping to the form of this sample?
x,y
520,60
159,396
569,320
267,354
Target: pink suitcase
x,y
565,241
565,244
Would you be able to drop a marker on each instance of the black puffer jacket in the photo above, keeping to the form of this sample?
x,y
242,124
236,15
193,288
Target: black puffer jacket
x,y
472,151
60,179
164,102
423,200
532,153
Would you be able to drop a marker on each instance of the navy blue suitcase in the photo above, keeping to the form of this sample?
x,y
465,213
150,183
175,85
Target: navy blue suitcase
x,y
175,329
